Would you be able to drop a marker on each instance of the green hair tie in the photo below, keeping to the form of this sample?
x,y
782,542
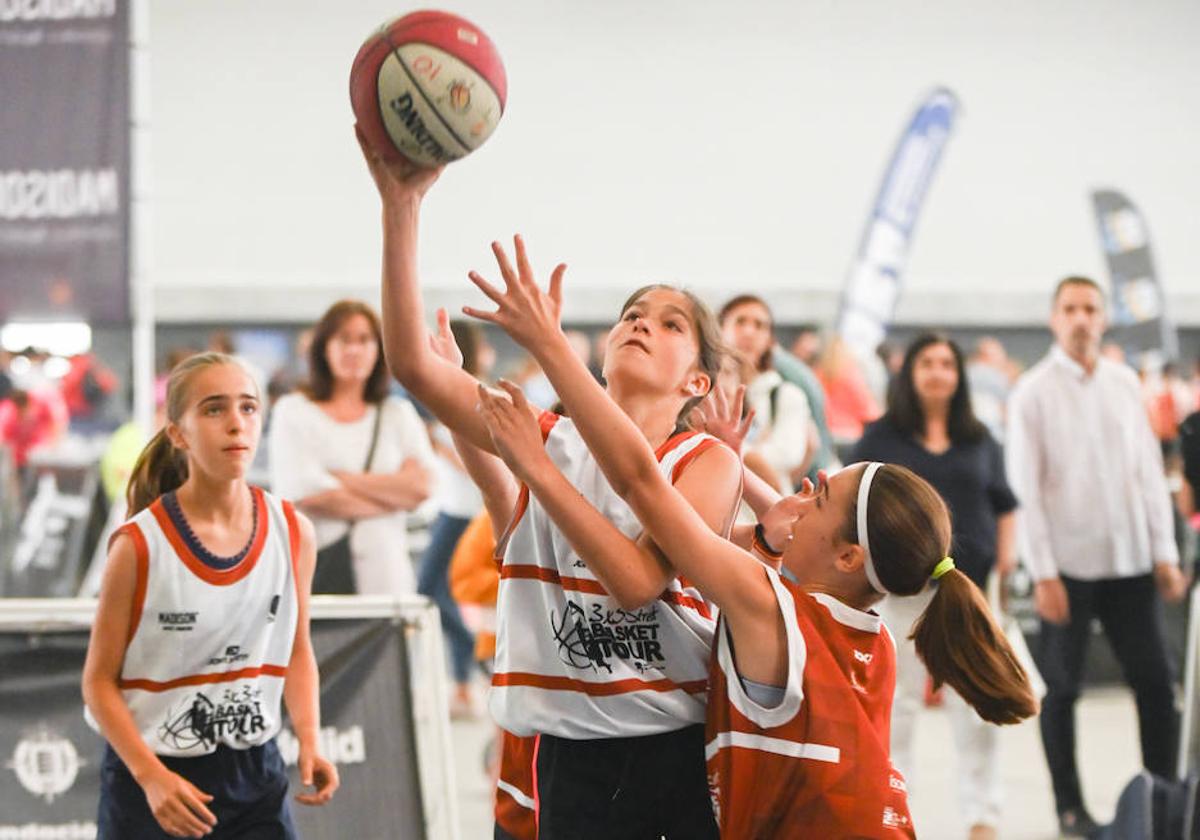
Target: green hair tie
x,y
943,566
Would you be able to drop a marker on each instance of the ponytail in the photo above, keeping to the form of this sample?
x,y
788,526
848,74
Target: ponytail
x,y
160,469
962,646
956,637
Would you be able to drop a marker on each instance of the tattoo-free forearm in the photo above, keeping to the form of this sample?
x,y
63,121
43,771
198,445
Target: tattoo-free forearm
x,y
630,573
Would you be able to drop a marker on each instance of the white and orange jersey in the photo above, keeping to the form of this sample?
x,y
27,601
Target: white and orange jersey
x,y
818,764
569,660
208,649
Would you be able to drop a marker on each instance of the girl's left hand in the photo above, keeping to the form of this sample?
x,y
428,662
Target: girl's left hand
x,y
525,312
513,428
318,772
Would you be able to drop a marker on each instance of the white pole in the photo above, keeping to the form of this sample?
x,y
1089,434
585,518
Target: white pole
x,y
141,285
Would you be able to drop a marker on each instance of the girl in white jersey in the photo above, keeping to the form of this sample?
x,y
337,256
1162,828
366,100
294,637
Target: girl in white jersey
x,y
802,677
609,670
202,629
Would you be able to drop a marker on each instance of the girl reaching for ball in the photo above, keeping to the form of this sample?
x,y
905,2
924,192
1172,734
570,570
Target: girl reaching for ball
x,y
609,668
802,677
202,629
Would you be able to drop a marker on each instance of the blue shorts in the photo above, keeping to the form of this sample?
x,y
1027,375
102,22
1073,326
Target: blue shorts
x,y
249,789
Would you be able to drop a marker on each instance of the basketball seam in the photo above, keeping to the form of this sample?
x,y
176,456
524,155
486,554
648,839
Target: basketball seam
x,y
428,101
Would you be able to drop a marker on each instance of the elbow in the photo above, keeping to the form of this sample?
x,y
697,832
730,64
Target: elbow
x,y
631,598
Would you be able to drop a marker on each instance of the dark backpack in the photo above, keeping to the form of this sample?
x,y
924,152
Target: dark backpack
x,y
1154,808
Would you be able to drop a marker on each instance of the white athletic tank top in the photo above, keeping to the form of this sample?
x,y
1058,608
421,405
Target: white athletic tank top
x,y
208,649
569,661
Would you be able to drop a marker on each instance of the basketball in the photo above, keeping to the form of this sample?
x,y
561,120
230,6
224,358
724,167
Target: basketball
x,y
429,86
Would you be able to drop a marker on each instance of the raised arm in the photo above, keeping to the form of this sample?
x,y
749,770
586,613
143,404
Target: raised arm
x,y
445,389
725,573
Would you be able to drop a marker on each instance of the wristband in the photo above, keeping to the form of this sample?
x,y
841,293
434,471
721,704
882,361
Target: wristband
x,y
761,545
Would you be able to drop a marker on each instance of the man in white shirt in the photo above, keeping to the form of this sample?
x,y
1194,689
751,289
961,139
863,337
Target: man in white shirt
x,y
1095,531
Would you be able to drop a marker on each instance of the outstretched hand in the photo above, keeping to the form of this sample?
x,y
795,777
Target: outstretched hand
x,y
524,311
442,342
511,422
398,179
722,417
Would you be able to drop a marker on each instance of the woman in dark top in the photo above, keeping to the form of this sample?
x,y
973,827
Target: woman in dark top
x,y
930,428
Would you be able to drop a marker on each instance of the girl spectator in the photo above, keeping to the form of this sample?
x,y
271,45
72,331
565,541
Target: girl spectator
x,y
786,437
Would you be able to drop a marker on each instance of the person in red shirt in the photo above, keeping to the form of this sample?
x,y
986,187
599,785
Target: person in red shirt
x,y
802,675
29,419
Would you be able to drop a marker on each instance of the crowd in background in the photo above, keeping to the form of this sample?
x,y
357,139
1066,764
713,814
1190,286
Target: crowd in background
x,y
359,458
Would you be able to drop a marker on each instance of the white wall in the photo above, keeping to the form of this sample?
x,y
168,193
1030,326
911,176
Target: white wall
x,y
727,146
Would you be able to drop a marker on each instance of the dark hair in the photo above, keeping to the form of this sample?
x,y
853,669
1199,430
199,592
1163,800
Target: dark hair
x,y
708,337
161,467
956,637
763,362
320,377
1076,280
904,410
469,337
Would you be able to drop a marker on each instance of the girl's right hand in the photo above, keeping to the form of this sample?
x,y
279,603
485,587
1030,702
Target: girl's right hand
x,y
178,805
397,180
722,418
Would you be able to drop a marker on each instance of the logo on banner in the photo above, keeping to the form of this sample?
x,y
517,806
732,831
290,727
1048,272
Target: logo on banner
x,y
341,746
237,715
1124,231
593,639
46,763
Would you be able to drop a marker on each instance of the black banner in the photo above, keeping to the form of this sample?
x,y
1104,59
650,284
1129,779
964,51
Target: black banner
x,y
50,759
1139,308
64,160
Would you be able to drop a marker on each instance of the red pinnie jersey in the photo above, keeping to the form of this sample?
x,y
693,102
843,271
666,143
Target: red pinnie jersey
x,y
818,763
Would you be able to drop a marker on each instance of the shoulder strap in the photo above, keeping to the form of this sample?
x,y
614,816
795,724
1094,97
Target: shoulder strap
x,y
374,436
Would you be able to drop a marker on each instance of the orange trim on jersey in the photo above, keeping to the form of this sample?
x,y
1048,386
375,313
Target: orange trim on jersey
x,y
605,689
142,553
205,679
217,577
546,421
700,448
293,526
673,441
529,571
537,797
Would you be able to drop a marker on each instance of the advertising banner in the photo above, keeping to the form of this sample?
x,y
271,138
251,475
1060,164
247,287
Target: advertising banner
x,y
1139,314
874,283
50,759
64,160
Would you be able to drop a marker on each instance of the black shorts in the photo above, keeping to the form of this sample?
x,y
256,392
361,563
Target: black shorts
x,y
625,788
249,789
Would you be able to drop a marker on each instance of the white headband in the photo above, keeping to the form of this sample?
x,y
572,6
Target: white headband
x,y
864,494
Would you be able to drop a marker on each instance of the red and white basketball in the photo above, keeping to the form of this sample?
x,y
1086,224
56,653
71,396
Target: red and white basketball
x,y
429,86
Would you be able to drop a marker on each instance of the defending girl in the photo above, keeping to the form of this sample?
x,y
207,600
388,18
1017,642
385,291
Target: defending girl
x,y
202,629
802,675
609,669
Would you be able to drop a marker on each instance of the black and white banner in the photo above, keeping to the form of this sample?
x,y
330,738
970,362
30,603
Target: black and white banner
x,y
50,759
64,160
1139,312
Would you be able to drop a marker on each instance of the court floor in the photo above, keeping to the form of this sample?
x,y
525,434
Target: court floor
x,y
1109,757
